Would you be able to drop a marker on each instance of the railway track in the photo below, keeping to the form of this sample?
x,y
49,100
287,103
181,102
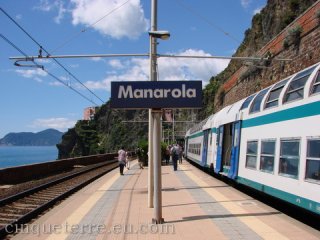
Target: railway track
x,y
20,208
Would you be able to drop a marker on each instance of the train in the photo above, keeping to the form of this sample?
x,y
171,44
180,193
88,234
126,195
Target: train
x,y
268,141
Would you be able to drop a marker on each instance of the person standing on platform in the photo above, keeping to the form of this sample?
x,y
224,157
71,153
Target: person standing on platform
x,y
140,157
122,156
175,151
180,154
167,155
128,160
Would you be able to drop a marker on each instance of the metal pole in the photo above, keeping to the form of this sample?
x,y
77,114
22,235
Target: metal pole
x,y
150,164
153,77
173,136
157,167
156,113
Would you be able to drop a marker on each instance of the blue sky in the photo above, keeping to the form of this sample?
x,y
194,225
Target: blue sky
x,y
32,100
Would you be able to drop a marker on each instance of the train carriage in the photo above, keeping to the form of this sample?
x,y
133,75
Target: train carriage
x,y
269,141
280,131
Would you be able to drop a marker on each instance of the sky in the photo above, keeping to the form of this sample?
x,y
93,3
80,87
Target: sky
x,y
34,98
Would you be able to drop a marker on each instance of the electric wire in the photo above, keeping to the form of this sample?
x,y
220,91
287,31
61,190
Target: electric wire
x,y
41,47
39,66
86,28
17,48
207,20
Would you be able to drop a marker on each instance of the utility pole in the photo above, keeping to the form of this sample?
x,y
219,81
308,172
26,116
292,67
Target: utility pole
x,y
155,127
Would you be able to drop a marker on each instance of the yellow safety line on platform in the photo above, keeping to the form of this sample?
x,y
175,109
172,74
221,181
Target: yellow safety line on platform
x,y
75,218
252,222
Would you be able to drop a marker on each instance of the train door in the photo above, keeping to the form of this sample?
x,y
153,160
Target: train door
x,y
226,148
234,163
205,147
227,154
219,144
186,147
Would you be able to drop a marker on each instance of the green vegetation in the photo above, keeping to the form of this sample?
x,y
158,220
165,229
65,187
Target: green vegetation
x,y
293,37
107,132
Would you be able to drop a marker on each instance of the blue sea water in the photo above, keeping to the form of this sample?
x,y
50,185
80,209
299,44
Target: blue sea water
x,y
21,155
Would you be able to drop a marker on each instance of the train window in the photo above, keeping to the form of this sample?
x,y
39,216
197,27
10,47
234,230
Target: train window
x,y
296,87
316,85
267,155
194,148
273,98
247,102
255,107
313,160
251,157
289,158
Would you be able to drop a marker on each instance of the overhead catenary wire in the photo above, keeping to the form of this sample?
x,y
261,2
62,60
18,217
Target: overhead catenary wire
x,y
18,49
41,47
43,69
207,20
91,25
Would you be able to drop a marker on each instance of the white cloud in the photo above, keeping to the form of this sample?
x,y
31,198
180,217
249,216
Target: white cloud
x,y
32,73
56,84
257,10
116,63
74,65
61,11
47,6
57,123
44,5
169,69
96,59
245,3
127,21
42,60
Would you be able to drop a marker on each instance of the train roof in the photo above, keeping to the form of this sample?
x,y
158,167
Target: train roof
x,y
297,89
209,122
228,114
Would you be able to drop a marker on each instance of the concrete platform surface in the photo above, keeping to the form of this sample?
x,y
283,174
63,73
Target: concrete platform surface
x,y
195,206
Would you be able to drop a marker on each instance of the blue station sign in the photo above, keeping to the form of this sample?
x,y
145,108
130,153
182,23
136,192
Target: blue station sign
x,y
156,94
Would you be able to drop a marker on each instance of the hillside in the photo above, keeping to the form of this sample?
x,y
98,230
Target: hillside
x,y
272,19
112,128
49,137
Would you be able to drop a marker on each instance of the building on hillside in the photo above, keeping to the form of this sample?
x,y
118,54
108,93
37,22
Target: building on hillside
x,y
88,113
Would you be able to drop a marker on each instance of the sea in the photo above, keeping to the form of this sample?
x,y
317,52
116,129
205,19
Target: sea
x,y
11,156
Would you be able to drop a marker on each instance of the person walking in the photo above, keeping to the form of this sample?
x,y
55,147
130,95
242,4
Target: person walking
x,y
167,155
175,151
122,156
140,157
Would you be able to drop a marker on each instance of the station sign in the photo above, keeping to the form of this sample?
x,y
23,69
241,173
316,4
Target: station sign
x,y
156,94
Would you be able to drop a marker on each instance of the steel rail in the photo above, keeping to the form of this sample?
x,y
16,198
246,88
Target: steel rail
x,y
13,226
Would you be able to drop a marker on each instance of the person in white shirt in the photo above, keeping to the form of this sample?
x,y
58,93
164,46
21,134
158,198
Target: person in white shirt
x,y
122,156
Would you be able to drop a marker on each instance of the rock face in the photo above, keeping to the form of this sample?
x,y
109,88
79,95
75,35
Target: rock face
x,y
287,29
49,137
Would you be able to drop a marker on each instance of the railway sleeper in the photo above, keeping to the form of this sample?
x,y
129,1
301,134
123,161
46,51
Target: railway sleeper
x,y
7,219
11,214
42,197
22,205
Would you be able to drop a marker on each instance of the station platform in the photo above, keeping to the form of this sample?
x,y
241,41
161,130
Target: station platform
x,y
195,206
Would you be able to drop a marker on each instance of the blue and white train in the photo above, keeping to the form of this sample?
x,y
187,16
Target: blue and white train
x,y
269,141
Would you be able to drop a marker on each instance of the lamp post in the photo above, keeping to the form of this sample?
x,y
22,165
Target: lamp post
x,y
154,169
